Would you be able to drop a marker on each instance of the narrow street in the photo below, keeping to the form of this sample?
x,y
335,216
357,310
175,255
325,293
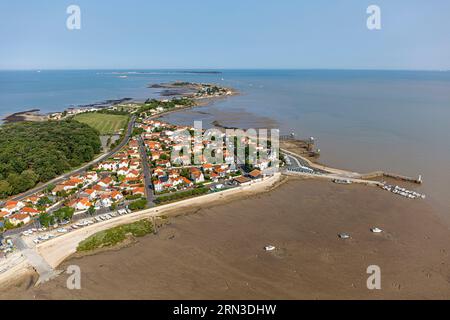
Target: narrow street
x,y
147,173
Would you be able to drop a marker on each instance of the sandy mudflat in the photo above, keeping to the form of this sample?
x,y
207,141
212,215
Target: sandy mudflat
x,y
216,252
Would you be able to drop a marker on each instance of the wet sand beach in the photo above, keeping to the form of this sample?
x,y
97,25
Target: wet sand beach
x,y
216,252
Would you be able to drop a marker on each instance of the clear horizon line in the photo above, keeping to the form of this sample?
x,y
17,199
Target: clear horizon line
x,y
227,69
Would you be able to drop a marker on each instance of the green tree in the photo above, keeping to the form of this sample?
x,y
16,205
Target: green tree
x,y
138,205
50,188
32,152
64,214
5,189
44,201
137,131
91,210
46,219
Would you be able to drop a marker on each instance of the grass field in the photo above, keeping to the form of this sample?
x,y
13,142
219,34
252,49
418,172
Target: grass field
x,y
104,123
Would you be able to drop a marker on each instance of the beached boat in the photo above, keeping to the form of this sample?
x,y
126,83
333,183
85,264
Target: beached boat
x,y
342,181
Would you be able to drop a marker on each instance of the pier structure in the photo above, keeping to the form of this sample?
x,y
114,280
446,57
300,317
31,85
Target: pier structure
x,y
378,174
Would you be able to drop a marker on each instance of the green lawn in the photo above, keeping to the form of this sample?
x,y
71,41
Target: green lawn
x,y
104,123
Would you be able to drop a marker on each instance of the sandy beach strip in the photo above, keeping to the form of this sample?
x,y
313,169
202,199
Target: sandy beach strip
x,y
58,249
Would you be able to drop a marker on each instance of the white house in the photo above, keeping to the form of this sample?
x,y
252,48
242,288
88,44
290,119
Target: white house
x,y
197,176
13,206
116,195
110,166
122,172
83,204
123,164
132,174
159,186
106,201
18,218
92,176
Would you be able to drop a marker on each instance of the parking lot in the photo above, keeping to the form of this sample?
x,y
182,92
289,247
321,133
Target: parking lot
x,y
44,234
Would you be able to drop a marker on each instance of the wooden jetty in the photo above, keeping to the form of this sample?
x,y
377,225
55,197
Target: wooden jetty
x,y
378,174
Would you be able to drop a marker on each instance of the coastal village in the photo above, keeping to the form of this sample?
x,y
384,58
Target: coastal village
x,y
151,168
140,175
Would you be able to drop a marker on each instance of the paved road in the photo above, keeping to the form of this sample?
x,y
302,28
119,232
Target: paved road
x,y
293,159
80,170
41,266
147,173
297,162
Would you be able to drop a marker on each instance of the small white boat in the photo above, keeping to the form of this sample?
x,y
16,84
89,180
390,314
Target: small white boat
x,y
269,248
343,235
376,230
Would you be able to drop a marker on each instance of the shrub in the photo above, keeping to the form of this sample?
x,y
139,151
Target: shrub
x,y
138,205
181,195
116,235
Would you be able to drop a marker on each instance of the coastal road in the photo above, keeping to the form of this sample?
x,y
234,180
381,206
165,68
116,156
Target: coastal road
x,y
41,266
293,159
79,170
147,173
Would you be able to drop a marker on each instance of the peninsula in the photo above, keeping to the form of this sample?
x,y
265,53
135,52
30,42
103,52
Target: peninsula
x,y
140,179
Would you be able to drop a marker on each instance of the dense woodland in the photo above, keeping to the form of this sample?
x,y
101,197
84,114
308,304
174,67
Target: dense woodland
x,y
32,152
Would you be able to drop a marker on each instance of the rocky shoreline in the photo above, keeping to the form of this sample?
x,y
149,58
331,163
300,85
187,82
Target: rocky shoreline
x,y
192,89
28,115
35,115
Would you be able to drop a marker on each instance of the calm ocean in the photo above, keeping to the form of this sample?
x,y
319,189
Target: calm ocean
x,y
363,120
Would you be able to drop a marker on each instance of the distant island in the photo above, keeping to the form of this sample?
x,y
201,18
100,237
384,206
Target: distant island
x,y
201,72
192,89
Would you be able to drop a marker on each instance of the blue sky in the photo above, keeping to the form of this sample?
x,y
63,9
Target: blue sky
x,y
225,34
